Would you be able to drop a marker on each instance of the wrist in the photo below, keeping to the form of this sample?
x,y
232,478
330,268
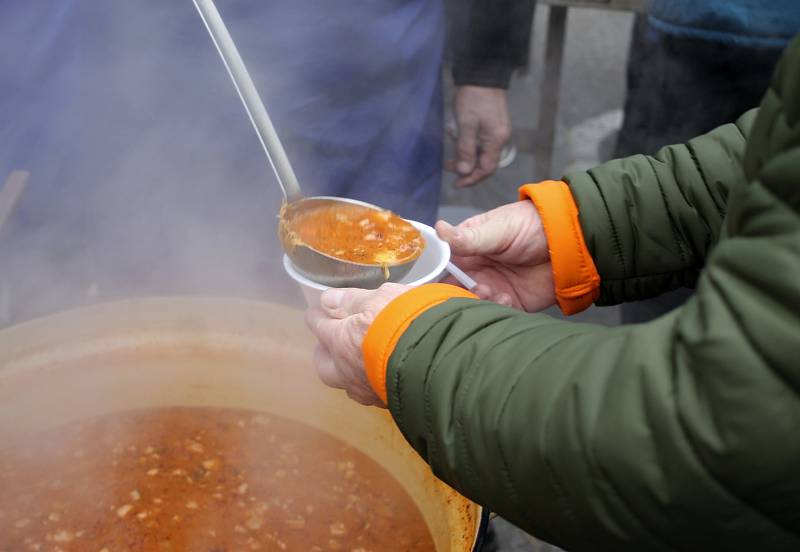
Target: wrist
x,y
392,321
483,74
575,277
539,237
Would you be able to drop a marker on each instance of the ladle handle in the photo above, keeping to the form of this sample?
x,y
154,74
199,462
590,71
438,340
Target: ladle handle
x,y
250,98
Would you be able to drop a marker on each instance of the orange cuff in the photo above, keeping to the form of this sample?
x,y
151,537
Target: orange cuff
x,y
576,279
390,324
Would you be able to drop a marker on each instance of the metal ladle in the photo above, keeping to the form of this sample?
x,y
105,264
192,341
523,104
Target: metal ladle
x,y
312,264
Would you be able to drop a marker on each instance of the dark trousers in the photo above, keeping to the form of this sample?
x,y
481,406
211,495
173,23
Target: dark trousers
x,y
679,88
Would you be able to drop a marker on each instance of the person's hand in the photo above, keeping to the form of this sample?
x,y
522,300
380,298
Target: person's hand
x,y
505,252
483,129
340,324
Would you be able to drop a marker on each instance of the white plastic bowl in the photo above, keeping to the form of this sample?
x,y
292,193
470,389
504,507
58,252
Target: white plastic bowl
x,y
429,267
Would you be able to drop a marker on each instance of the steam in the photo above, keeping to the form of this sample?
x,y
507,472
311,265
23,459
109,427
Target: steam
x,y
146,177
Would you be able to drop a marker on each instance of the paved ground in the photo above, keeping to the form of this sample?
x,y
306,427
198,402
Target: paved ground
x,y
591,100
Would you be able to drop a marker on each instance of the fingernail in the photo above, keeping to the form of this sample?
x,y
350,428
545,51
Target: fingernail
x,y
332,298
464,167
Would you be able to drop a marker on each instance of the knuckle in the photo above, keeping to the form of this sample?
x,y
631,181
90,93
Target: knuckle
x,y
347,298
496,140
327,377
473,233
328,374
355,337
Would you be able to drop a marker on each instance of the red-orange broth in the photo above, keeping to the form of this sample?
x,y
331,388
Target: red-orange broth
x,y
200,480
358,234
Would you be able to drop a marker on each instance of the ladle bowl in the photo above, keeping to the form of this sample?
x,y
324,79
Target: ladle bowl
x,y
326,269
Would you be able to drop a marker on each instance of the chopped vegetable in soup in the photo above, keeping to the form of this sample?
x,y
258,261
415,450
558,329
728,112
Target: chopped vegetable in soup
x,y
200,480
358,234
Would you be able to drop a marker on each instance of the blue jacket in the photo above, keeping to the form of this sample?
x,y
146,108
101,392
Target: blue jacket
x,y
358,104
752,23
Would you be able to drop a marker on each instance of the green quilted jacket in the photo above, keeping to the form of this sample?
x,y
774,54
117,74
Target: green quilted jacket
x,y
680,434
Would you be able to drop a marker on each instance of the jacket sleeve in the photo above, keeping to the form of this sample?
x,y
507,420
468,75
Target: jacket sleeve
x,y
676,435
489,39
650,222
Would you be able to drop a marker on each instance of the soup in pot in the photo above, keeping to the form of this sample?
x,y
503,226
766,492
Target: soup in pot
x,y
200,480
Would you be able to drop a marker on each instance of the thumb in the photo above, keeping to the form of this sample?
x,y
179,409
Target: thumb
x,y
479,239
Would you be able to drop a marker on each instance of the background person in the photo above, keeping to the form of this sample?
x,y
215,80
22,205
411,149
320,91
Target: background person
x,y
710,61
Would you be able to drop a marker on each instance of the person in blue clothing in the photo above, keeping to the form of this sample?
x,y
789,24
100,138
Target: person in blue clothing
x,y
145,171
710,61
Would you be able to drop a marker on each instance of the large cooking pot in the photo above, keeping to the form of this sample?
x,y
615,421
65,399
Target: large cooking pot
x,y
203,352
